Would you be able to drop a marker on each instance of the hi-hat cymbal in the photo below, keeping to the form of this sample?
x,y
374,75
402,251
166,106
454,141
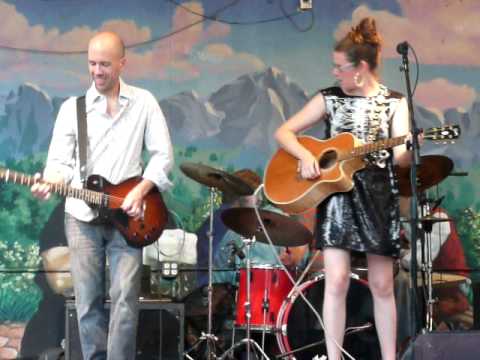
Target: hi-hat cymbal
x,y
282,230
215,178
433,169
442,279
427,219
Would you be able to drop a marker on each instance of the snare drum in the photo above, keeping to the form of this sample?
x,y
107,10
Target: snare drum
x,y
269,287
299,327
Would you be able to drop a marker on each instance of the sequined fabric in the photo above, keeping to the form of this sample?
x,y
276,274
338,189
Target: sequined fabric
x,y
365,219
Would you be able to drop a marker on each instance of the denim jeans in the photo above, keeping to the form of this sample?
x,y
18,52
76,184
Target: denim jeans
x,y
90,245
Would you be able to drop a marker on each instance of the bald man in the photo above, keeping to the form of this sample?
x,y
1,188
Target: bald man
x,y
122,120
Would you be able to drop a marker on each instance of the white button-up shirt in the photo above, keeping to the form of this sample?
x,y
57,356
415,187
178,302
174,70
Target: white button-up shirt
x,y
114,145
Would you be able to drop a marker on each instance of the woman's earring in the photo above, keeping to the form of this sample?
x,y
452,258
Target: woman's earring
x,y
358,80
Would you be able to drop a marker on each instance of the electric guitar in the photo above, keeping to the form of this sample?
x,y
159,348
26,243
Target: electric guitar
x,y
108,198
339,158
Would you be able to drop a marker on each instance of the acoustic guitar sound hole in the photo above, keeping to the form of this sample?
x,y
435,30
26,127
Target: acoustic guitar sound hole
x,y
328,160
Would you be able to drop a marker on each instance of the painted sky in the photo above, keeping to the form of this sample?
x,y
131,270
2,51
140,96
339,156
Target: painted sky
x,y
176,46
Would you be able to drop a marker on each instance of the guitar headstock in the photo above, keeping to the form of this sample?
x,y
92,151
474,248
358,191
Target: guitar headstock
x,y
444,134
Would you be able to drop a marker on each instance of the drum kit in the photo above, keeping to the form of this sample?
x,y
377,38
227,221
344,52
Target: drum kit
x,y
268,299
433,170
262,289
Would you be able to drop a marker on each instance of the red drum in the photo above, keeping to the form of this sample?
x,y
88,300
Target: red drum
x,y
269,287
298,327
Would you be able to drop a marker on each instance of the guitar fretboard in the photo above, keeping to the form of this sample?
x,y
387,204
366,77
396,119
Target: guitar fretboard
x,y
90,196
363,150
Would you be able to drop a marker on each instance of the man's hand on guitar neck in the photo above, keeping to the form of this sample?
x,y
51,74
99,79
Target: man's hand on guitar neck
x,y
308,166
41,188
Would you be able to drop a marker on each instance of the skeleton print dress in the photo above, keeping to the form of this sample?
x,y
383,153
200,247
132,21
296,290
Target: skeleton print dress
x,y
365,219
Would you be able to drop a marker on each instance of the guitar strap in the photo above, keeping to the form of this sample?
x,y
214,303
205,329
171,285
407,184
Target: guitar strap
x,y
82,137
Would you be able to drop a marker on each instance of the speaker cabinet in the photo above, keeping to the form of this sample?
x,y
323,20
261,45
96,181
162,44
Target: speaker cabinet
x,y
160,333
448,345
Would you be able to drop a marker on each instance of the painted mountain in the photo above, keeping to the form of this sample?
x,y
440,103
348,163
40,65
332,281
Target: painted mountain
x,y
241,116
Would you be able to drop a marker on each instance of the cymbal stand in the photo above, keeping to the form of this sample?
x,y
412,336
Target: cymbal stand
x,y
248,341
428,268
210,338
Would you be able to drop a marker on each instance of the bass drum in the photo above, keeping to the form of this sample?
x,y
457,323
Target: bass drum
x,y
301,334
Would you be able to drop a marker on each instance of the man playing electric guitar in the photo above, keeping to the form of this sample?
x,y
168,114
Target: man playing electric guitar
x,y
121,120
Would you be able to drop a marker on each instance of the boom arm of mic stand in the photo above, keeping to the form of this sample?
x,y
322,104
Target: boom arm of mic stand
x,y
414,220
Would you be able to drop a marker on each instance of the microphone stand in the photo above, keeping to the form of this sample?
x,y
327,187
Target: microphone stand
x,y
402,49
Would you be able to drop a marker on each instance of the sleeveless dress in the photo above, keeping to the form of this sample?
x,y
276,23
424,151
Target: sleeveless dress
x,y
365,219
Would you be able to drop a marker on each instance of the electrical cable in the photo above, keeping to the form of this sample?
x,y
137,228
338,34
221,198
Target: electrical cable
x,y
288,16
417,69
255,22
129,46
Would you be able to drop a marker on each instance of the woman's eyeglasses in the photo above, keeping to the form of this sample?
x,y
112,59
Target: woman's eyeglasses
x,y
344,67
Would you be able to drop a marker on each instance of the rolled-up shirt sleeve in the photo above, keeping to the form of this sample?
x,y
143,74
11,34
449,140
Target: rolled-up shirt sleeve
x,y
61,159
159,147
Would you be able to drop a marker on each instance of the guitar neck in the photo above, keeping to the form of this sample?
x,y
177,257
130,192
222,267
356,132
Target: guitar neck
x,y
363,150
89,196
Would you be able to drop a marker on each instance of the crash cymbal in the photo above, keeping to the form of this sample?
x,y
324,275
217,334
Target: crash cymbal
x,y
282,230
433,169
215,178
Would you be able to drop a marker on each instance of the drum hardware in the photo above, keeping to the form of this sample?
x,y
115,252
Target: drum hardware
x,y
208,337
247,341
214,179
348,331
301,337
269,285
432,170
432,279
283,230
259,225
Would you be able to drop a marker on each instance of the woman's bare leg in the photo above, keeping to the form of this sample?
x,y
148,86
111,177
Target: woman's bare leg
x,y
337,281
380,281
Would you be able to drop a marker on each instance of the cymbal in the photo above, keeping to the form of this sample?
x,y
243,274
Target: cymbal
x,y
282,230
441,279
427,219
433,169
215,178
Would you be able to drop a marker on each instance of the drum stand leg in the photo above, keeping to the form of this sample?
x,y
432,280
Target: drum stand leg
x,y
208,337
429,266
248,341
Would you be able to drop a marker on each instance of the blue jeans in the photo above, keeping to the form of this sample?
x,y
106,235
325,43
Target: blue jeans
x,y
89,246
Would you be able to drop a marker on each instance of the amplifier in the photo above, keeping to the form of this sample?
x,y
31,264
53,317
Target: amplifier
x,y
448,345
160,333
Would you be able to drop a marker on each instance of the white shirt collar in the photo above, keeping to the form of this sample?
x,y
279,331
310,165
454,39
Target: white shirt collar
x,y
93,95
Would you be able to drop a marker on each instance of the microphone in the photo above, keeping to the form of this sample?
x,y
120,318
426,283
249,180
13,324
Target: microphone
x,y
237,250
402,48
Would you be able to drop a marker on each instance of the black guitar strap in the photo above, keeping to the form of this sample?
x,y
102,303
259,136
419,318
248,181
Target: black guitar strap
x,y
82,137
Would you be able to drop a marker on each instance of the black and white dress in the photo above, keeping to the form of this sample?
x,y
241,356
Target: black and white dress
x,y
365,219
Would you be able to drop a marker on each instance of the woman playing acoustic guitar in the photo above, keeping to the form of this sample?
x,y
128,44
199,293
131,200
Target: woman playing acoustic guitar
x,y
365,219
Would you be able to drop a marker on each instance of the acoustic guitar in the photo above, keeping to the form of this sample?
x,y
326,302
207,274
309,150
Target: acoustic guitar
x,y
339,158
108,198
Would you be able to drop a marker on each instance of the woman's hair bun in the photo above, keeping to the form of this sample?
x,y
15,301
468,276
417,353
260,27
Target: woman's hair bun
x,y
366,33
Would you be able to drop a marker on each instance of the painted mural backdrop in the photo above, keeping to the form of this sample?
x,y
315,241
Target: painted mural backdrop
x,y
226,74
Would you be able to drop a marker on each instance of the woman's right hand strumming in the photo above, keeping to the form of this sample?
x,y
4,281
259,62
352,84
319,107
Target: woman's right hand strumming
x,y
286,136
308,166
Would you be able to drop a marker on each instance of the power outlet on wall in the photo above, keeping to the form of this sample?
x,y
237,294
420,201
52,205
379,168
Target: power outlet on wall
x,y
305,4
